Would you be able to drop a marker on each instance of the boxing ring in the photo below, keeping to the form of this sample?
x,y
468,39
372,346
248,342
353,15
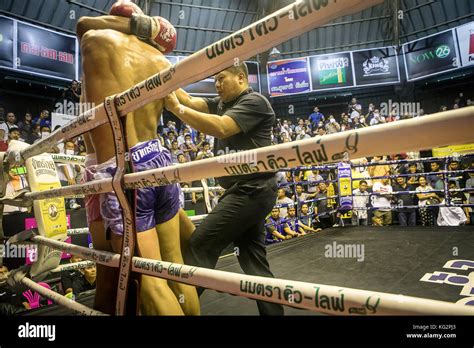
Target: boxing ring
x,y
288,22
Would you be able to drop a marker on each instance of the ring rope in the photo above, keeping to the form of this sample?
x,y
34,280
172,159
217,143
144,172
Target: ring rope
x,y
314,297
20,277
358,143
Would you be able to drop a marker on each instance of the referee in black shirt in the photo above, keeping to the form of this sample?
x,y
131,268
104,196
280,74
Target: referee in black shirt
x,y
240,119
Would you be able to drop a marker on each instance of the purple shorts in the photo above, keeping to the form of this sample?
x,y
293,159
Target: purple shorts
x,y
92,201
153,205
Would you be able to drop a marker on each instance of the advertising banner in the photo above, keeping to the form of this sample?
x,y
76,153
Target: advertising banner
x,y
465,34
331,71
376,66
289,76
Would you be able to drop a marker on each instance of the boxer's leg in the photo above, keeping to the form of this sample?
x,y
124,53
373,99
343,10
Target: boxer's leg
x,y
168,234
156,296
186,229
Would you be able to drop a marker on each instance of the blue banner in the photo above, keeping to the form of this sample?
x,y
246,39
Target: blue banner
x,y
290,76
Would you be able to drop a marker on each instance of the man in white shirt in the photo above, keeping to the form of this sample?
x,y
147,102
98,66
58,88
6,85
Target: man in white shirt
x,y
282,198
359,203
383,213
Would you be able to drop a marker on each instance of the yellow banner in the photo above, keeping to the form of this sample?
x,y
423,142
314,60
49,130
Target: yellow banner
x,y
453,150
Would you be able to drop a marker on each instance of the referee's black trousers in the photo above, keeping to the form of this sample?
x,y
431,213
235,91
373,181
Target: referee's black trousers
x,y
239,218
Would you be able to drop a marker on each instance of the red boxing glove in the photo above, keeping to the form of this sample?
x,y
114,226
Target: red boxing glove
x,y
155,30
124,8
166,38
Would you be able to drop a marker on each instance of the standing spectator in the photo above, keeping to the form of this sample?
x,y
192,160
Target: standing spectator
x,y
170,137
332,126
406,216
316,117
323,207
359,203
413,179
354,106
26,128
435,180
73,93
425,200
301,196
381,201
43,119
456,178
311,176
380,170
282,198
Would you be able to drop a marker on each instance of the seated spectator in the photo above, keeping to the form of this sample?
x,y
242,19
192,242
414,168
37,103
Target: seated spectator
x,y
43,119
26,128
323,207
321,131
456,197
413,179
292,226
45,132
170,137
381,201
75,282
188,148
453,216
406,216
306,219
377,118
346,123
14,134
359,203
357,124
205,152
300,127
470,195
35,133
274,228
302,135
282,198
175,151
427,213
